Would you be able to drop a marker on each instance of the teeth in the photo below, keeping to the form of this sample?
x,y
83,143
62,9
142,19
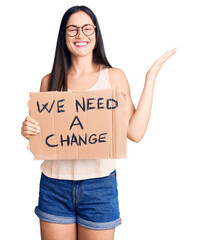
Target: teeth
x,y
81,44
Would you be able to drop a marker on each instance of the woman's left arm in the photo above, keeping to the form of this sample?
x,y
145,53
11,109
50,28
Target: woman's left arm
x,y
138,118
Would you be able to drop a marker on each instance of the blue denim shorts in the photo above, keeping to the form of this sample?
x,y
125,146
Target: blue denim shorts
x,y
92,203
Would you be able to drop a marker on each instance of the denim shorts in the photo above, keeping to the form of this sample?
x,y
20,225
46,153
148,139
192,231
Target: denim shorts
x,y
92,203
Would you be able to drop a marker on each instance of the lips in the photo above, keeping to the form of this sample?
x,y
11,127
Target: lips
x,y
81,43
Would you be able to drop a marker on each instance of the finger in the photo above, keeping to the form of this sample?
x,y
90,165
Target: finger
x,y
165,57
27,128
161,58
174,49
27,134
170,54
167,53
32,120
30,132
26,123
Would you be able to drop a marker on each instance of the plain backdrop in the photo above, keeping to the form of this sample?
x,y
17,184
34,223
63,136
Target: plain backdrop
x,y
158,182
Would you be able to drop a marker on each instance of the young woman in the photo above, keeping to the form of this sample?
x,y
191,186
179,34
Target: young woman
x,y
78,199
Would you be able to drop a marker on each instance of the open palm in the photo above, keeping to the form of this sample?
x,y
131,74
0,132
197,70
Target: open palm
x,y
153,71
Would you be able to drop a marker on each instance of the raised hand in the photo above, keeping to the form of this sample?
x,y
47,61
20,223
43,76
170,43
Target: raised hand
x,y
157,65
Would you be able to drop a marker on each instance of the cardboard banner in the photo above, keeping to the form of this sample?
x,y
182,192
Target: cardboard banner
x,y
79,124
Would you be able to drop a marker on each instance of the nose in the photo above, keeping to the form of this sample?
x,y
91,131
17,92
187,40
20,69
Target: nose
x,y
79,32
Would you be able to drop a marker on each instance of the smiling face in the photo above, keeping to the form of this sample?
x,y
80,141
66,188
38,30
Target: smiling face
x,y
80,45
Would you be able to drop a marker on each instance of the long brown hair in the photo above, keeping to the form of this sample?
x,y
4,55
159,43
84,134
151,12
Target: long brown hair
x,y
62,59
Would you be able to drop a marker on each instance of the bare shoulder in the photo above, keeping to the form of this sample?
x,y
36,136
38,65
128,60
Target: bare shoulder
x,y
44,83
118,80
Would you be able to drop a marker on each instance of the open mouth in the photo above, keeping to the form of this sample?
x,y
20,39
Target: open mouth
x,y
81,44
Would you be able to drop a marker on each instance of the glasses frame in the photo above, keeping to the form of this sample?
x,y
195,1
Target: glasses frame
x,y
81,29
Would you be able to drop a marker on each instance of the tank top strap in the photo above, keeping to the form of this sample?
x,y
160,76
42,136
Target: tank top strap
x,y
104,78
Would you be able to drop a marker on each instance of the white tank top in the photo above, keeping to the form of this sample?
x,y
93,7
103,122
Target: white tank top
x,y
83,168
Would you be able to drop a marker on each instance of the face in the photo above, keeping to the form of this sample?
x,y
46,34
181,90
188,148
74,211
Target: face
x,y
80,45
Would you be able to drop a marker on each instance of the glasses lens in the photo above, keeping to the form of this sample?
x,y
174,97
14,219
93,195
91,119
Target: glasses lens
x,y
71,31
88,30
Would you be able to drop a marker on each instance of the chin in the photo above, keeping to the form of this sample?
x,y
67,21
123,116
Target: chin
x,y
81,54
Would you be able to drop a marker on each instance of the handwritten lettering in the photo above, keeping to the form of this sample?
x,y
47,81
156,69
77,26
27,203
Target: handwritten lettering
x,y
75,140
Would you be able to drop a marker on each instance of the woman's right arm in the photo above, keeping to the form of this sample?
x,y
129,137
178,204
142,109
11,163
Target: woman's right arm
x,y
30,125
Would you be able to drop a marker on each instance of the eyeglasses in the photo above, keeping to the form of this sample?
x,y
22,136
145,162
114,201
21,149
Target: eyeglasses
x,y
73,30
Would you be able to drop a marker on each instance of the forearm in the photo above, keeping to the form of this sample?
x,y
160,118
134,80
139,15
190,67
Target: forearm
x,y
139,121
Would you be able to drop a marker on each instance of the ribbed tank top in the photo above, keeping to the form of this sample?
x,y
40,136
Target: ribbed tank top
x,y
83,168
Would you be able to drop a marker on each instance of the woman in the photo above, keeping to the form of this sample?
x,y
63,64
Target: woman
x,y
81,195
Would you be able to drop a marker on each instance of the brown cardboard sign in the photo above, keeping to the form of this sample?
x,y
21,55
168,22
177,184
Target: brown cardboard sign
x,y
79,124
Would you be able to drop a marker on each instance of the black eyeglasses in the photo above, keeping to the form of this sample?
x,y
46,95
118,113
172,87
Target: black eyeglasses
x,y
73,30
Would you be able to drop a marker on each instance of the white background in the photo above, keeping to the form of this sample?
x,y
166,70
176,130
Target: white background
x,y
158,182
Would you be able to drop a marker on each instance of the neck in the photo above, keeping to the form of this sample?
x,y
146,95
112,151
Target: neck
x,y
82,65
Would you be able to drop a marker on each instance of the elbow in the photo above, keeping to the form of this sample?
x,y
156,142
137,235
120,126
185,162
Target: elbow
x,y
137,140
134,139
134,136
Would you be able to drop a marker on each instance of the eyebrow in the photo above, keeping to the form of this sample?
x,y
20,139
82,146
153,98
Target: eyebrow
x,y
78,26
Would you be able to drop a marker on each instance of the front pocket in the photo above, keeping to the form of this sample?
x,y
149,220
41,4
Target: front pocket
x,y
113,173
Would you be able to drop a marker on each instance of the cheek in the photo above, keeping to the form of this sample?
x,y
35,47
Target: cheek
x,y
68,44
93,42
